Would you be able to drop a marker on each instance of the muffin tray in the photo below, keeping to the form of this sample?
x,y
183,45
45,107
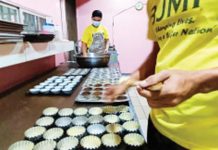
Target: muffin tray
x,y
97,83
94,93
77,72
103,76
56,85
62,130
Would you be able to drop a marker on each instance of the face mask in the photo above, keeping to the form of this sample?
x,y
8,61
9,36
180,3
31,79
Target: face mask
x,y
96,23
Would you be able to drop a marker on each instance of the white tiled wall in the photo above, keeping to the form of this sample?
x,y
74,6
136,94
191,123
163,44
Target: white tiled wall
x,y
140,108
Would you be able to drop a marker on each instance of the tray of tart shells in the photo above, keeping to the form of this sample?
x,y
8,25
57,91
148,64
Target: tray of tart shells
x,y
77,72
56,85
101,79
94,93
107,76
106,70
82,128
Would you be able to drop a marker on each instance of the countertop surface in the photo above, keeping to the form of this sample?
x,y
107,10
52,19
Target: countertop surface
x,y
19,111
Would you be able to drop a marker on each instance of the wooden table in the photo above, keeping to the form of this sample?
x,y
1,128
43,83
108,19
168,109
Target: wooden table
x,y
19,112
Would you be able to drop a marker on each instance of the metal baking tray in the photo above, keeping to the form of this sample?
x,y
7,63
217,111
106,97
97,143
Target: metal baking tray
x,y
117,112
56,85
77,72
109,76
95,94
96,84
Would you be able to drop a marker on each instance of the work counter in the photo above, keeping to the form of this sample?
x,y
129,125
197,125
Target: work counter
x,y
19,111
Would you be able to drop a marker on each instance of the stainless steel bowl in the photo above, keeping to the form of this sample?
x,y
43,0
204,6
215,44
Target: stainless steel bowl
x,y
92,60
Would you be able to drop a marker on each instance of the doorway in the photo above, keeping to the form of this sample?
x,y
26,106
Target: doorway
x,y
71,23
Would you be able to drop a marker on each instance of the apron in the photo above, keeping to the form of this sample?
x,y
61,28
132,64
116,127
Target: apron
x,y
98,44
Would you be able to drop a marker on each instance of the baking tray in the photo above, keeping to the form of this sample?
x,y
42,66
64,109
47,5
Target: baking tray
x,y
122,146
65,86
109,76
35,38
95,94
96,84
77,72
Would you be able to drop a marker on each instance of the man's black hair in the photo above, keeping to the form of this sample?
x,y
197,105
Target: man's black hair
x,y
97,13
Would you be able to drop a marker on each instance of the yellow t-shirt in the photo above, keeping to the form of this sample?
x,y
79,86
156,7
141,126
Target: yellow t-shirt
x,y
186,31
90,31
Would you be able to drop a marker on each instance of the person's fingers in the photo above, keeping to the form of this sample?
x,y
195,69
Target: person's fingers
x,y
145,93
110,90
156,100
153,104
174,102
159,77
154,79
159,103
109,101
109,97
149,94
142,83
110,94
138,88
167,102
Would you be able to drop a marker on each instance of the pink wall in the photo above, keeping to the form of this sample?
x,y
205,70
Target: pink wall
x,y
47,7
50,8
130,29
33,68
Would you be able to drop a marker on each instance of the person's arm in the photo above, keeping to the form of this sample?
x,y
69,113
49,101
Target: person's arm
x,y
84,49
85,38
106,45
178,86
106,39
208,80
145,70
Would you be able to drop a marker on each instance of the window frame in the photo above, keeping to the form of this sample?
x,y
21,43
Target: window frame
x,y
10,7
36,20
19,17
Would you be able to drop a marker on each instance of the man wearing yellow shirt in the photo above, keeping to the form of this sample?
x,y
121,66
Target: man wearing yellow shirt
x,y
95,38
184,112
